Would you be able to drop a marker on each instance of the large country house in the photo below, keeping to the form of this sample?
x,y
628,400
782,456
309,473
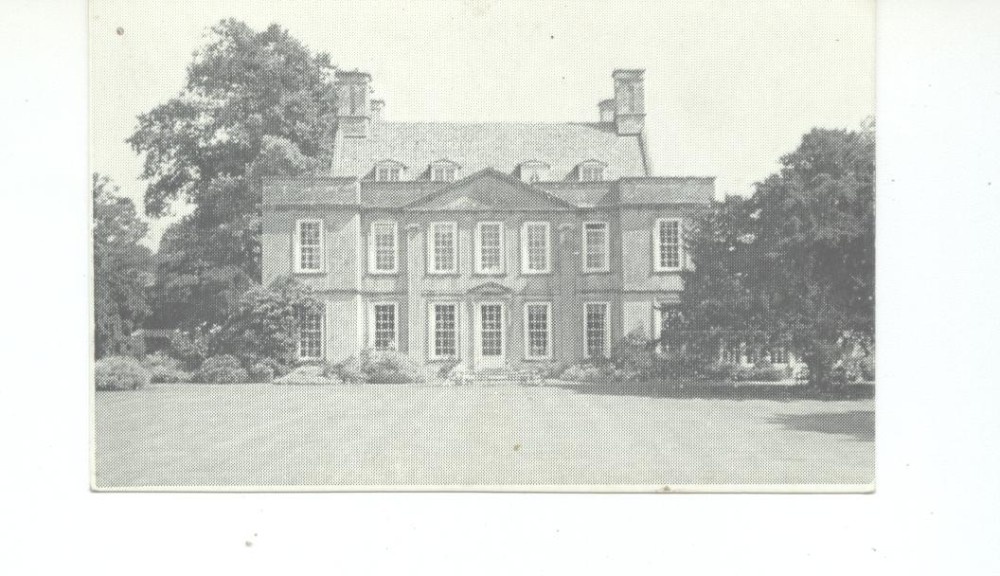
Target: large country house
x,y
493,244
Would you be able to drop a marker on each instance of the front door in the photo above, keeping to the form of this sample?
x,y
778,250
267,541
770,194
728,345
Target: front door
x,y
490,341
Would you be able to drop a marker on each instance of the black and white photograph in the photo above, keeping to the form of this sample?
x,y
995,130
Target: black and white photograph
x,y
500,287
574,257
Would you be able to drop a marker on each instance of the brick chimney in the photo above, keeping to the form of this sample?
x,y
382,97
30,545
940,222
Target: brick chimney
x,y
353,109
607,110
630,110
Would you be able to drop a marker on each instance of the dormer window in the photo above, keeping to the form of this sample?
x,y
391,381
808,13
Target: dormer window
x,y
533,171
590,171
443,171
389,171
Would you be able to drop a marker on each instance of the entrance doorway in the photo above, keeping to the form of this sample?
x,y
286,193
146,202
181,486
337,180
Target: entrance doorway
x,y
490,337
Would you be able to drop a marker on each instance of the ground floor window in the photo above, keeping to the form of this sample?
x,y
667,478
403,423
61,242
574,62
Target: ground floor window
x,y
384,327
596,329
538,330
445,326
311,336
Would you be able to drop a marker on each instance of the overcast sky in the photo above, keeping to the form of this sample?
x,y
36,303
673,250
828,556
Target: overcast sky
x,y
731,85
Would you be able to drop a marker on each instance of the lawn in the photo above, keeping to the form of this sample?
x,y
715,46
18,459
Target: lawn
x,y
344,436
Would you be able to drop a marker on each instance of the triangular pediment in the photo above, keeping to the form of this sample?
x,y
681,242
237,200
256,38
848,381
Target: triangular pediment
x,y
490,190
490,289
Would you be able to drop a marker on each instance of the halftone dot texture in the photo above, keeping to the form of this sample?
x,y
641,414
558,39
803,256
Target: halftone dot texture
x,y
402,435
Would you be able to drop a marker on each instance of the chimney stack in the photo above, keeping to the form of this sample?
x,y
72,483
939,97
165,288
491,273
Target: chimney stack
x,y
377,107
607,110
630,110
353,109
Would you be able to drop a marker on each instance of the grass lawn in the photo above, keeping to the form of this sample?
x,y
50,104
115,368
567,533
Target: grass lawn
x,y
266,435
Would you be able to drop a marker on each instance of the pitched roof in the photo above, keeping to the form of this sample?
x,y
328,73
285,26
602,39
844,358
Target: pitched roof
x,y
490,189
499,145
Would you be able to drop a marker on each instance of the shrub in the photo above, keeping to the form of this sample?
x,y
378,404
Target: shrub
x,y
264,323
377,368
261,372
222,369
719,371
349,371
548,370
584,372
762,373
389,368
191,348
165,369
311,374
633,357
120,373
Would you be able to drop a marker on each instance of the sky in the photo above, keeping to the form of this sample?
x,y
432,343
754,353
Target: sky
x,y
731,85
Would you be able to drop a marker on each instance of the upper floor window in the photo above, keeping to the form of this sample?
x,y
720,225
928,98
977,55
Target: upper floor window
x,y
668,250
535,247
443,171
595,247
383,250
389,171
489,247
533,171
308,246
443,240
590,171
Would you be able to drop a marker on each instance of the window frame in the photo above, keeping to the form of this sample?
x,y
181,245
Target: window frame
x,y
585,246
372,320
657,245
397,171
595,168
478,256
322,340
373,248
607,328
548,331
449,173
297,247
525,254
432,330
432,248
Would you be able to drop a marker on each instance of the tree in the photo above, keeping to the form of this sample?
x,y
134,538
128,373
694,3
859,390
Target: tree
x,y
797,259
120,269
255,104
264,323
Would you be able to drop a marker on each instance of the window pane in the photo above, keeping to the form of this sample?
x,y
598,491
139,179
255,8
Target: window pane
x,y
596,241
385,246
489,246
670,246
444,248
444,330
309,245
385,327
537,245
538,330
311,336
596,328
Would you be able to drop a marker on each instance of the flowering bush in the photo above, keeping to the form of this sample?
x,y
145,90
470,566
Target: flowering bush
x,y
373,367
165,369
120,373
222,369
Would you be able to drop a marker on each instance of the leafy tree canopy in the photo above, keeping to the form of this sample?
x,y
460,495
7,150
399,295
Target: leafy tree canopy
x,y
120,269
255,104
797,258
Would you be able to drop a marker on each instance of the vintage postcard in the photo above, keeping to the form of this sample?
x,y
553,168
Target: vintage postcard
x,y
483,245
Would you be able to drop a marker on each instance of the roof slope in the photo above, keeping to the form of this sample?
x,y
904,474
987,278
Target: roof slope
x,y
499,145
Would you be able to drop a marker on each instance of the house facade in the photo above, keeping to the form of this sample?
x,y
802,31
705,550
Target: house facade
x,y
493,244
